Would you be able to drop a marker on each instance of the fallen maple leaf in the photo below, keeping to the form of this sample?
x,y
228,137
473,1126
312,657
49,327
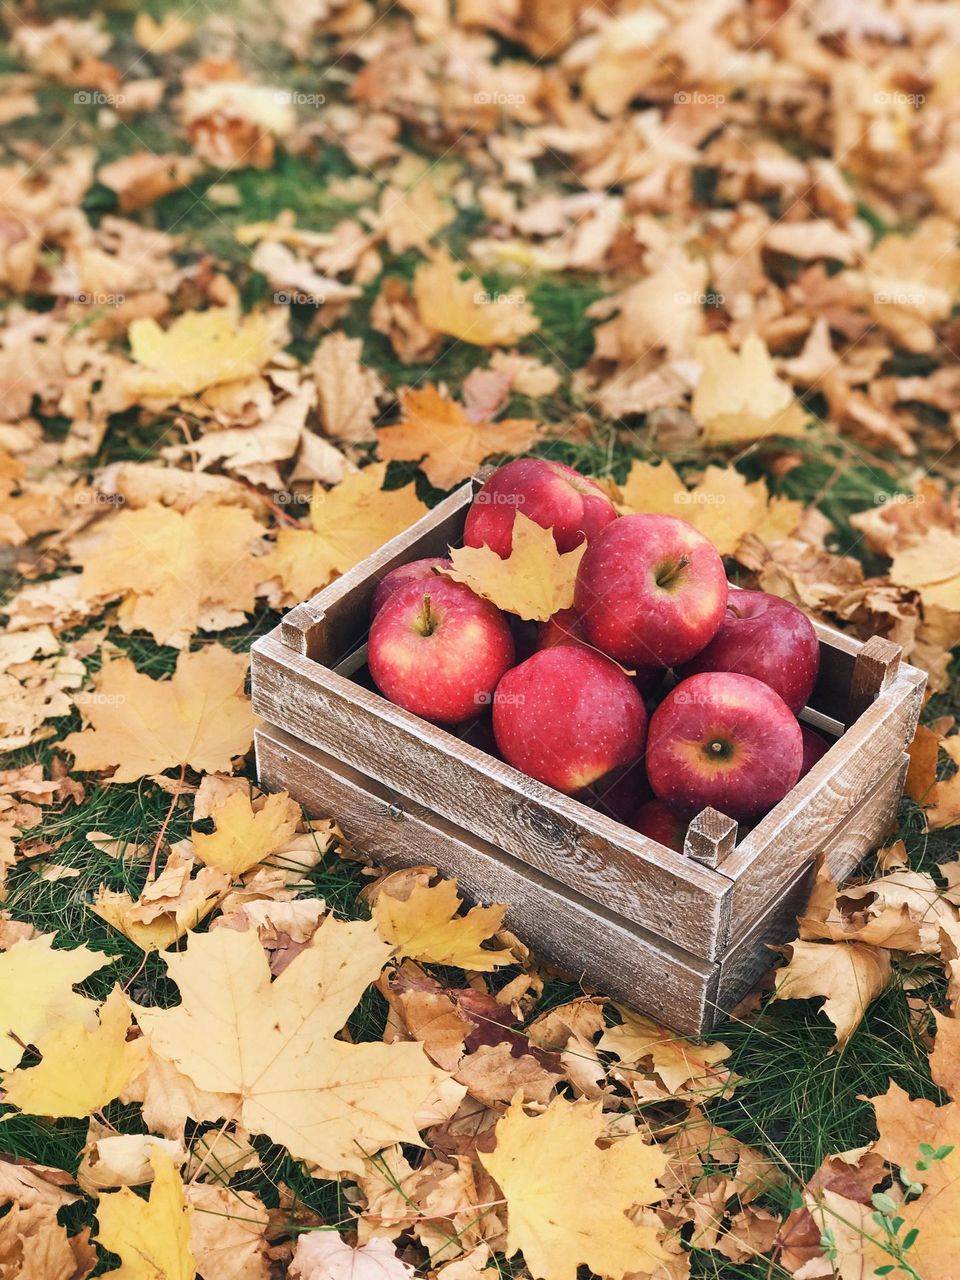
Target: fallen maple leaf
x,y
739,396
152,1237
680,1064
176,573
244,836
167,907
273,1045
437,433
227,1229
325,1255
463,309
81,1068
36,992
199,717
849,975
425,926
543,1165
350,521
200,349
347,389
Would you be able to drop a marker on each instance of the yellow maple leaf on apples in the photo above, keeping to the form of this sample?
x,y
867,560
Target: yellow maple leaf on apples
x,y
723,505
848,975
176,571
273,1043
199,717
426,927
543,1165
151,1237
82,1068
349,522
244,836
464,309
36,992
533,582
437,433
200,349
739,395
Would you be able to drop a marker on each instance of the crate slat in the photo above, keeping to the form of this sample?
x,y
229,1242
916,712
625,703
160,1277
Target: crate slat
x,y
622,960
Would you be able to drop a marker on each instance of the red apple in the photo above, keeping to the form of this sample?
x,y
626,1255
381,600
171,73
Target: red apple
x,y
814,748
549,493
415,571
767,638
619,793
651,591
655,820
439,650
725,740
567,716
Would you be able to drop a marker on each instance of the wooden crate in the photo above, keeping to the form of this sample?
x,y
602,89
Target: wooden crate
x,y
681,936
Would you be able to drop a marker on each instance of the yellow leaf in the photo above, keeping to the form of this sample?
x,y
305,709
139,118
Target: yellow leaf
x,y
152,1237
931,565
739,396
36,992
347,390
200,349
167,907
534,581
463,309
227,1232
243,836
723,505
410,217
164,36
546,1166
426,927
81,1069
199,717
350,521
176,572
272,1043
679,1063
849,975
437,433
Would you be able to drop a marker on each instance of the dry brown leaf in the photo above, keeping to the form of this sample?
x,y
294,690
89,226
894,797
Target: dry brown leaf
x,y
848,975
347,389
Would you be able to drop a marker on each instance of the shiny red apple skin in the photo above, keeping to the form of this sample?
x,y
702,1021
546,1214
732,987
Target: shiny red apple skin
x,y
564,627
654,820
415,571
767,638
815,747
439,650
725,740
567,716
551,494
651,591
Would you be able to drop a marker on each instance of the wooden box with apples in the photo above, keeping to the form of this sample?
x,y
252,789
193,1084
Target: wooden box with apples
x,y
659,878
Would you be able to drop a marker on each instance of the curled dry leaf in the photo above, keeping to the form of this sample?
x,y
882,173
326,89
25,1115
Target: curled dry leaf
x,y
848,975
425,926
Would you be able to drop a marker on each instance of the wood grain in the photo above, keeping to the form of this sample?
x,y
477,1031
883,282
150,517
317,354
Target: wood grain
x,y
875,669
710,837
590,944
641,880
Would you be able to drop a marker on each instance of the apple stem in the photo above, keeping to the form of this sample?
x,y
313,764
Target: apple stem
x,y
667,577
428,618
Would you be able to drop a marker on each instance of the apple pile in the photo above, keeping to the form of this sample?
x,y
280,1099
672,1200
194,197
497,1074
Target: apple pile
x,y
661,691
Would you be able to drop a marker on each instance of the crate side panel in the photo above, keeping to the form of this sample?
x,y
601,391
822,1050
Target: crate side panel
x,y
593,946
652,886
